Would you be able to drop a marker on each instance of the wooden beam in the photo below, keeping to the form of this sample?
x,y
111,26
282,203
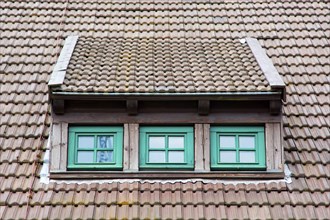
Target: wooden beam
x,y
275,107
206,143
269,131
199,166
266,65
238,96
132,107
203,107
58,74
76,175
55,149
134,146
64,146
166,118
126,153
58,106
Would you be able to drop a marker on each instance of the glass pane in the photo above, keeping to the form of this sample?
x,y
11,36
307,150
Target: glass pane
x,y
156,142
246,142
227,141
85,141
157,156
227,156
176,156
105,142
85,157
176,142
247,157
104,156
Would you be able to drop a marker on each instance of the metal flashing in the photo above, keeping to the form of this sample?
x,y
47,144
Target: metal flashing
x,y
164,93
58,74
265,63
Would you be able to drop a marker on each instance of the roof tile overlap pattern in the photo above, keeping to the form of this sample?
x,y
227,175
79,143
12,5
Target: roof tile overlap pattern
x,y
295,36
183,65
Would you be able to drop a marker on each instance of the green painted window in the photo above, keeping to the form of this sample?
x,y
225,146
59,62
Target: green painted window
x,y
95,147
165,147
238,148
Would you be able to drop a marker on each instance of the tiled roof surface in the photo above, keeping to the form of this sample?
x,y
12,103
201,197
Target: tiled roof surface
x,y
296,37
163,65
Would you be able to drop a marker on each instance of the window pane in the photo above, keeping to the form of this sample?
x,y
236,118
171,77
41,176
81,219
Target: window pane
x,y
157,156
228,156
85,141
227,141
176,156
176,142
246,142
105,142
247,157
156,142
104,156
85,157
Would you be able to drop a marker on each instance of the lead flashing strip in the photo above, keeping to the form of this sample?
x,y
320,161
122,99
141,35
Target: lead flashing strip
x,y
265,63
59,71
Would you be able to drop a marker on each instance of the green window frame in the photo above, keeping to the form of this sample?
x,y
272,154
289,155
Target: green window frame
x,y
166,147
95,147
238,148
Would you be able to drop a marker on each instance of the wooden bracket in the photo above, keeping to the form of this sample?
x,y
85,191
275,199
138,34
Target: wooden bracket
x,y
132,107
58,106
275,107
203,107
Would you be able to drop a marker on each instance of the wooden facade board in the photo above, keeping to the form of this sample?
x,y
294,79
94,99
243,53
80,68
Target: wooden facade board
x,y
199,147
269,132
58,150
55,149
206,144
278,154
126,153
134,146
167,118
64,144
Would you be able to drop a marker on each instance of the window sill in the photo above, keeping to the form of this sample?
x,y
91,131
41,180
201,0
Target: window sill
x,y
255,175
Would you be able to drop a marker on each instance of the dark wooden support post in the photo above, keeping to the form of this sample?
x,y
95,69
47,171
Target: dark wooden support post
x,y
203,107
275,107
132,107
58,106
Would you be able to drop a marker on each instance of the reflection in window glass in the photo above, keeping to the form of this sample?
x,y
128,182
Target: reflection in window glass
x,y
104,156
105,142
85,141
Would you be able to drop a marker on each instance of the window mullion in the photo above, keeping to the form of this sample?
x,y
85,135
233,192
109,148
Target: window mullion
x,y
237,148
166,148
95,149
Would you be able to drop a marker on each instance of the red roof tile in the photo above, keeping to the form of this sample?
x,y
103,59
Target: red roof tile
x,y
294,34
